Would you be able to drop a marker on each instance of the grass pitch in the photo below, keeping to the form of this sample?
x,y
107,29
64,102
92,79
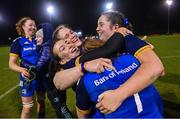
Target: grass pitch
x,y
167,47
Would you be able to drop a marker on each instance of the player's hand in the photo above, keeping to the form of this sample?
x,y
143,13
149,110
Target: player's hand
x,y
109,101
25,73
98,65
124,31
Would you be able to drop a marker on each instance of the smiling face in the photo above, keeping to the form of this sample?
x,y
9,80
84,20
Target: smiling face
x,y
29,28
39,39
65,51
104,28
69,36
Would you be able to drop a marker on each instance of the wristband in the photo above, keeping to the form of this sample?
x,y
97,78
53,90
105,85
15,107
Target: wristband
x,y
83,68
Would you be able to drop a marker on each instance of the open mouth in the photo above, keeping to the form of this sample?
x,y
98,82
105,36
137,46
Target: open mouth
x,y
74,49
99,34
75,39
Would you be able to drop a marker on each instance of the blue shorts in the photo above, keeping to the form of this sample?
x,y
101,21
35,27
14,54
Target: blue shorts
x,y
28,89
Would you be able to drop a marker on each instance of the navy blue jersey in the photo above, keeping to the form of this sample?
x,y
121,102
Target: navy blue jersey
x,y
141,104
135,46
25,49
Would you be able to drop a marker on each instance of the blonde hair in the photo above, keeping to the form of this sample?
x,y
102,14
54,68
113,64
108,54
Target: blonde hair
x,y
55,35
19,25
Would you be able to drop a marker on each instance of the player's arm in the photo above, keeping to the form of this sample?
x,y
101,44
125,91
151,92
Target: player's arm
x,y
81,114
13,58
13,64
151,68
66,78
114,44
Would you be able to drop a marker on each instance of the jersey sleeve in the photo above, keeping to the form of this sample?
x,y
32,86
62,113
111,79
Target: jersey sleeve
x,y
136,46
83,103
15,49
109,49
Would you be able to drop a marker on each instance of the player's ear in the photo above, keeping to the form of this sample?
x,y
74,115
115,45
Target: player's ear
x,y
116,26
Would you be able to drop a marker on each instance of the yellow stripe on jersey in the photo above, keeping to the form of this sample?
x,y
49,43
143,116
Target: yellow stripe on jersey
x,y
13,54
141,50
30,38
83,111
77,61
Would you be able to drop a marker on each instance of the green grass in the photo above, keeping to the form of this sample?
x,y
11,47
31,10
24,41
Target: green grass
x,y
167,47
169,85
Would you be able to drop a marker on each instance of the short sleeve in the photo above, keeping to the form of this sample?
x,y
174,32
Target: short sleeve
x,y
135,46
15,49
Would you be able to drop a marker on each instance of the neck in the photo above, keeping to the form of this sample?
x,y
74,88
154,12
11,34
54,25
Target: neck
x,y
109,36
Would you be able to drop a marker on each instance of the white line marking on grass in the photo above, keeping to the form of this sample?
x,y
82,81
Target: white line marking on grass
x,y
173,56
7,92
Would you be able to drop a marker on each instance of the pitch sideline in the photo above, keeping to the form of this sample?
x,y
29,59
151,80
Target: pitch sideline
x,y
7,92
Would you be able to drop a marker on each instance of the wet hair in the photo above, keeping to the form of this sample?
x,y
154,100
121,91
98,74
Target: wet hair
x,y
116,17
19,25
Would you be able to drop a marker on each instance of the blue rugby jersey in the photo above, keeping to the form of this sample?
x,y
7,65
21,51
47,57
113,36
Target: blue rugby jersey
x,y
141,104
25,49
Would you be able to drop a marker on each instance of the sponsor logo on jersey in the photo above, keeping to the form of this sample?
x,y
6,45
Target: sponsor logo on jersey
x,y
26,43
113,74
29,48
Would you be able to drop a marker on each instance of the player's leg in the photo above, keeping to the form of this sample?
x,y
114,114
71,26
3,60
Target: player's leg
x,y
41,104
40,99
58,101
27,92
27,105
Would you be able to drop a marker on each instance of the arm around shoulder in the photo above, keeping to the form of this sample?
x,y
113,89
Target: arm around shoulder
x,y
151,68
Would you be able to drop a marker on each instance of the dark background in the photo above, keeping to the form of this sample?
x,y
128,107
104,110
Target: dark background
x,y
147,16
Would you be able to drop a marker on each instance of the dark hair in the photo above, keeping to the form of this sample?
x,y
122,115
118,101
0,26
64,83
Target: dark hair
x,y
19,25
116,17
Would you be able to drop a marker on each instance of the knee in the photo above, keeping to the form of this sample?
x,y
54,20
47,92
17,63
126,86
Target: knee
x,y
27,107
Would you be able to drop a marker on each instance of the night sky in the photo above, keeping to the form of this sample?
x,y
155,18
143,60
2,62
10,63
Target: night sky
x,y
147,16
